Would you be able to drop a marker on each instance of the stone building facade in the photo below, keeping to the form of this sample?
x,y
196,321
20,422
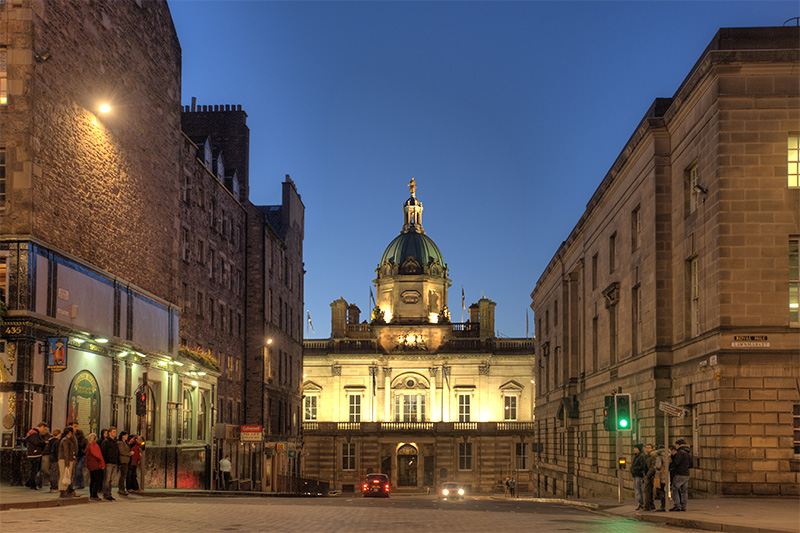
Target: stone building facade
x,y
679,284
411,394
89,252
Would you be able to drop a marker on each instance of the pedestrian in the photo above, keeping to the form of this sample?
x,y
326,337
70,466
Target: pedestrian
x,y
95,464
67,450
660,478
124,462
225,471
80,461
647,488
136,457
512,486
35,443
679,470
52,454
110,452
507,486
638,470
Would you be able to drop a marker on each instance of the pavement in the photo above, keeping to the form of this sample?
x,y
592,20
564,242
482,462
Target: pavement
x,y
742,515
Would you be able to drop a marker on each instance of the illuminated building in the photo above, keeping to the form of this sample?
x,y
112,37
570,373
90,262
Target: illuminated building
x,y
410,393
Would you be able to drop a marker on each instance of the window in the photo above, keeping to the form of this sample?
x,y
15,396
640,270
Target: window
x,y
636,227
555,313
692,194
409,408
694,296
612,334
3,79
355,408
612,252
207,155
796,428
187,414
150,418
201,251
199,303
2,177
348,456
793,156
463,407
594,272
595,355
186,185
310,408
185,244
510,412
636,319
202,413
3,278
465,456
794,282
521,455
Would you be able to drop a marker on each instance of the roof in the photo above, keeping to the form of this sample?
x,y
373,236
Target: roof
x,y
412,244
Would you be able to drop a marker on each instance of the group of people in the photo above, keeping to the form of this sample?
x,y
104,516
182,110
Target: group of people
x,y
62,456
649,471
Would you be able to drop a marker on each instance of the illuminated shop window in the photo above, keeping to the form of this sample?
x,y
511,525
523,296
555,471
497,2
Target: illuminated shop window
x,y
187,414
794,160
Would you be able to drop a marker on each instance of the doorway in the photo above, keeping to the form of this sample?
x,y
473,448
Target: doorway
x,y
407,466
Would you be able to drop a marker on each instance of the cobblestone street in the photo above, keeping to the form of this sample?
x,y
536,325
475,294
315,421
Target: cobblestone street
x,y
330,514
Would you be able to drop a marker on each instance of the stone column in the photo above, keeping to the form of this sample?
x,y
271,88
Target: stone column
x,y
435,413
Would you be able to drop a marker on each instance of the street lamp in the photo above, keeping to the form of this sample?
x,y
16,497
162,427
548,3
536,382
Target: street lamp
x,y
105,108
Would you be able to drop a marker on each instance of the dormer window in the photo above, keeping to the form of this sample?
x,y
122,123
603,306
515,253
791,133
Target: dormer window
x,y
220,168
207,154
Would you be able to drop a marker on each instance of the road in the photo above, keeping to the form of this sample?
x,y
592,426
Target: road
x,y
332,514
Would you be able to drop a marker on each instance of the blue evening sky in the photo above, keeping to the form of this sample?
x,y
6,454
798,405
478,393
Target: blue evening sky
x,y
508,114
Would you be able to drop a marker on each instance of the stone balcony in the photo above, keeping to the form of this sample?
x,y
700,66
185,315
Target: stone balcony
x,y
420,428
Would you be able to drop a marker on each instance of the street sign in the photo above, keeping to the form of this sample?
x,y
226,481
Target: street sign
x,y
280,447
251,433
292,454
672,409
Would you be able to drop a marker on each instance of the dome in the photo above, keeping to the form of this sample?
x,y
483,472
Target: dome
x,y
412,244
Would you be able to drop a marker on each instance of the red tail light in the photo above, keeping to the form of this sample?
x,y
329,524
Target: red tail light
x,y
387,486
365,486
376,481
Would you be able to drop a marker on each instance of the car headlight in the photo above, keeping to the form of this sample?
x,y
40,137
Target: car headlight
x,y
460,492
445,492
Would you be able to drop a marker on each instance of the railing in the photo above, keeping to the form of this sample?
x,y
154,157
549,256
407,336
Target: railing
x,y
515,426
466,329
364,328
406,426
513,345
433,427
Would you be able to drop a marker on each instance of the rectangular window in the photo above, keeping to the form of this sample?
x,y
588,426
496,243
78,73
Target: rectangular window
x,y
201,251
694,296
409,408
794,282
355,408
186,185
463,407
636,227
636,319
594,272
692,189
348,456
555,313
310,408
796,428
794,159
199,303
612,334
521,455
612,252
465,456
595,355
510,412
2,178
185,244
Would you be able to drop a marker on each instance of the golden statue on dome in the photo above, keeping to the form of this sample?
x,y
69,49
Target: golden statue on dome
x,y
412,187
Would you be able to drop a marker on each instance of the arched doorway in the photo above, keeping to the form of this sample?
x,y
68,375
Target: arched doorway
x,y
407,466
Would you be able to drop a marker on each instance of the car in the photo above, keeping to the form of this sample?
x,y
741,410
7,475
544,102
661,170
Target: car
x,y
376,485
451,491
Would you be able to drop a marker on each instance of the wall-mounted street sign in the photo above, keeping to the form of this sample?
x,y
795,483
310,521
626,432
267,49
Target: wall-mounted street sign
x,y
750,341
251,433
672,409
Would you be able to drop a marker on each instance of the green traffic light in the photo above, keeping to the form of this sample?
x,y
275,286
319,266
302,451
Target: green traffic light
x,y
623,423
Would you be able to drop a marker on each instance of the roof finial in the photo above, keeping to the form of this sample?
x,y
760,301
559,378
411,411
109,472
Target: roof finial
x,y
412,187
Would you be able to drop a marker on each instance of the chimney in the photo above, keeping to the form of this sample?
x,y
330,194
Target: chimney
x,y
194,102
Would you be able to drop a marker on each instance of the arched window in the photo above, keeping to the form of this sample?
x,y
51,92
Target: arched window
x,y
201,417
187,414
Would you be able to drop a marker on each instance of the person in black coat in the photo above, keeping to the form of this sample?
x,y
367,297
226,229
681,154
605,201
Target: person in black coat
x,y
679,470
110,452
52,453
36,444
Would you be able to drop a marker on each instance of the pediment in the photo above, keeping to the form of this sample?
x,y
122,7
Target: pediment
x,y
511,386
310,386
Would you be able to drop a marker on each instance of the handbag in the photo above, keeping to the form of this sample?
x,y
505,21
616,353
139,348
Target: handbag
x,y
66,477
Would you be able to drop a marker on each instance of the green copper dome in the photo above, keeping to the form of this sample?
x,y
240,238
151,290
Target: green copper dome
x,y
412,244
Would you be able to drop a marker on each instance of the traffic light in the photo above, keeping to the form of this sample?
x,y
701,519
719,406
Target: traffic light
x,y
141,403
622,405
609,414
622,463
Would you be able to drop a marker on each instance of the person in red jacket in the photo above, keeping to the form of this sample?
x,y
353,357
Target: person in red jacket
x,y
136,457
96,466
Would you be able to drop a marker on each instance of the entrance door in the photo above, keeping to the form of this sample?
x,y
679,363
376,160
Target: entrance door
x,y
407,466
